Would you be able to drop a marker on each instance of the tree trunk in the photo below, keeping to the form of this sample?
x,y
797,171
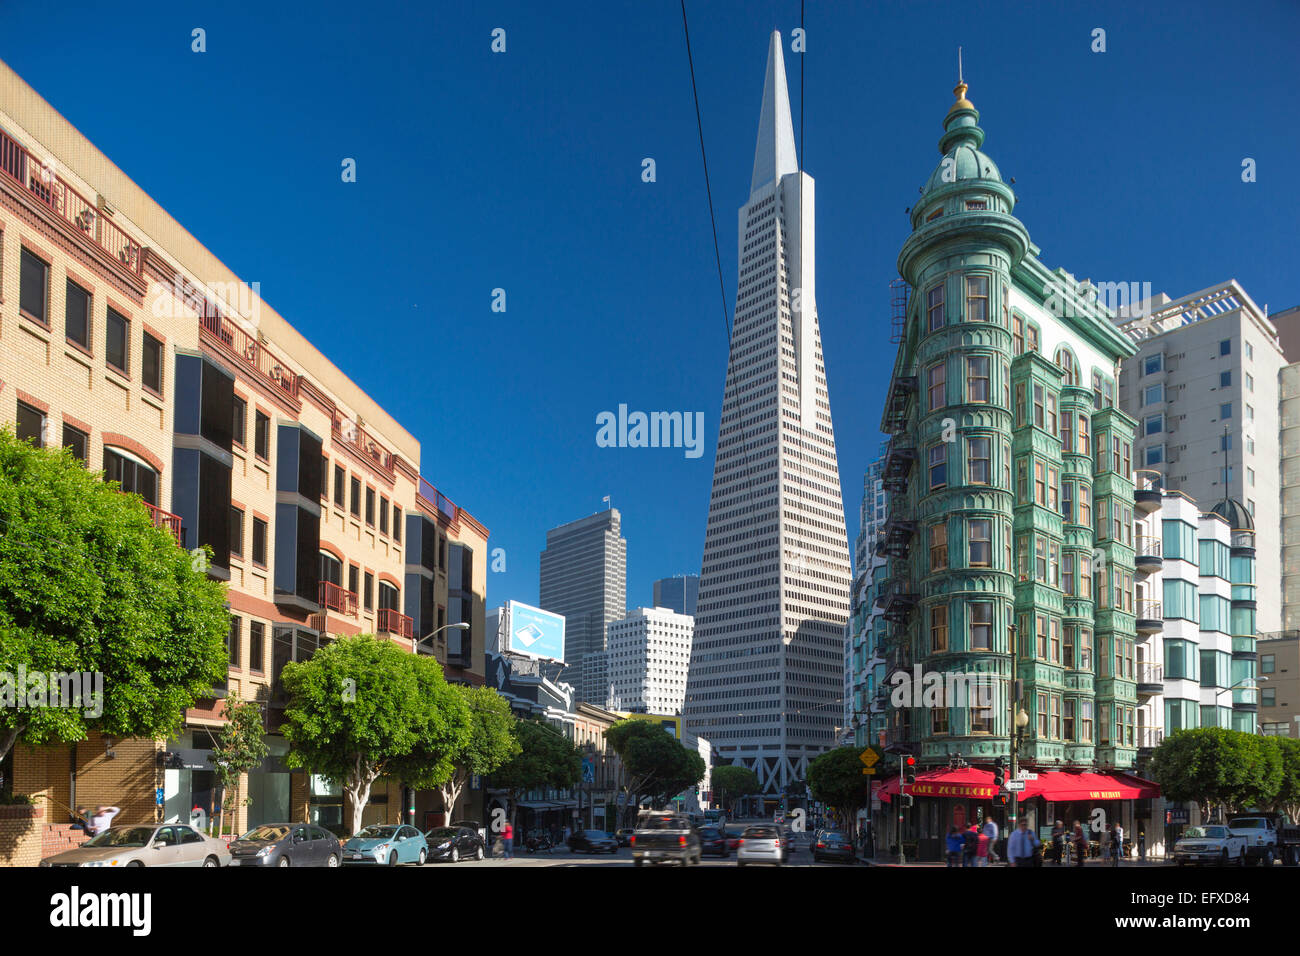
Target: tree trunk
x,y
10,737
357,790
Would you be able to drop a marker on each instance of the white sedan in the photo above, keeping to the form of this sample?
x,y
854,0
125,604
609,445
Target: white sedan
x,y
1210,844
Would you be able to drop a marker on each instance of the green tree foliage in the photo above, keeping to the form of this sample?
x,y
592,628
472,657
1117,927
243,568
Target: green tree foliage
x,y
1288,794
546,760
362,708
89,585
654,763
239,749
836,778
489,743
1214,767
731,783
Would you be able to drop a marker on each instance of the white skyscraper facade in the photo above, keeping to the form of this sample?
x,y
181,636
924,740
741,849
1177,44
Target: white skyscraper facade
x,y
647,655
767,670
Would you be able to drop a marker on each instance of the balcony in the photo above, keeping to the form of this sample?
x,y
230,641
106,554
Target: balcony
x,y
392,622
1150,680
1148,556
167,521
1149,738
896,538
435,502
896,602
250,354
898,464
79,213
1148,490
337,598
1150,619
901,389
353,435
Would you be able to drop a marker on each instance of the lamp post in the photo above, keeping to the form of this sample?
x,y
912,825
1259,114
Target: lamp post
x,y
1019,720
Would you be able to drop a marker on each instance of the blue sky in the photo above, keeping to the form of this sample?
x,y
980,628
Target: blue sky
x,y
522,171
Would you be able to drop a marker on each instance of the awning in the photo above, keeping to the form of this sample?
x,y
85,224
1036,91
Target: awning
x,y
1051,784
537,805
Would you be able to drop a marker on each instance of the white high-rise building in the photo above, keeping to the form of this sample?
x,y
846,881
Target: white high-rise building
x,y
646,658
767,666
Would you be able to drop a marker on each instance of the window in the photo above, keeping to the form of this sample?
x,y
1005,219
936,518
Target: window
x,y
232,641
1022,480
1038,406
31,425
370,592
236,533
1250,382
980,534
1006,466
1153,395
977,454
1154,424
354,576
397,523
262,436
1225,347
324,478
77,440
1054,564
1250,351
1225,379
1268,698
1250,476
1225,410
1069,719
34,287
370,506
975,205
1153,364
1040,635
256,646
1006,386
383,515
1051,413
934,301
1020,404
1085,505
977,378
76,315
340,483
938,466
1067,573
1065,362
1267,663
1154,454
977,298
1040,483
935,376
981,625
1033,338
132,474
934,215
939,628
356,497
240,433
259,542
1067,432
1225,442
151,364
1040,558
1085,447
1041,708
1067,500
938,547
1250,413
1018,335
117,335
1053,484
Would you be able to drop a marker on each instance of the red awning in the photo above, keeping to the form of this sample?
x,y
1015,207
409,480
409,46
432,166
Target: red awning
x,y
1051,784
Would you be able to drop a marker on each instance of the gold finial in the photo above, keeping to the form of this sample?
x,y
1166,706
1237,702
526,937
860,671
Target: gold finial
x,y
960,89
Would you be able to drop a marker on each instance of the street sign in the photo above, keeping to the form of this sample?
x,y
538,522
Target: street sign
x,y
870,757
869,770
1014,786
1026,775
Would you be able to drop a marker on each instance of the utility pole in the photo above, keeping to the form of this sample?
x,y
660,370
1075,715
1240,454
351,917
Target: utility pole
x,y
1015,689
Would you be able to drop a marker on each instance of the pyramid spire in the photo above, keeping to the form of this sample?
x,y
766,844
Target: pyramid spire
x,y
774,156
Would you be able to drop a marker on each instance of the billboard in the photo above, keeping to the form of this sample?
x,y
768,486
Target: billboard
x,y
534,632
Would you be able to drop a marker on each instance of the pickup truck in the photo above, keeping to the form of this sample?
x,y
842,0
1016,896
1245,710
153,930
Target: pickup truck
x,y
665,836
1269,837
1210,844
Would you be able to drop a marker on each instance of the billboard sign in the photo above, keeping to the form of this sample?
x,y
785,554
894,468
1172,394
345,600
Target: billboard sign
x,y
535,633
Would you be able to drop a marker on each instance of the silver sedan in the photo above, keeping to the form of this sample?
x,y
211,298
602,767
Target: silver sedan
x,y
168,844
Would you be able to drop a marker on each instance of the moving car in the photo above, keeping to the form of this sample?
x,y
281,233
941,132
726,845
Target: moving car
x,y
714,842
833,845
663,836
592,841
762,844
168,844
387,844
455,843
1269,837
287,844
1210,844
625,837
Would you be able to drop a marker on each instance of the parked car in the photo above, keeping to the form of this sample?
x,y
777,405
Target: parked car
x,y
833,845
663,836
762,844
714,842
287,844
624,837
1269,837
386,844
455,843
1210,844
592,841
168,844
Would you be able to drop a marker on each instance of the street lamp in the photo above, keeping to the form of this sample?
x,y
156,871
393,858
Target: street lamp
x,y
1244,680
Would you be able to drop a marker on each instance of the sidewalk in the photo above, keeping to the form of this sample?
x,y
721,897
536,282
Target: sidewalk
x,y
1090,864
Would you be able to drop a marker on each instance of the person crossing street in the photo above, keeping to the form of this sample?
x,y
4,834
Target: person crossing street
x,y
1021,846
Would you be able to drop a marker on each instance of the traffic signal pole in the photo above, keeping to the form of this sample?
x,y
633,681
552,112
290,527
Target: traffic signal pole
x,y
901,785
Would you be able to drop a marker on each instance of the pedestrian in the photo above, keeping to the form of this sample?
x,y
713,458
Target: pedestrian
x,y
1021,846
1117,844
956,845
971,847
1058,842
102,819
1080,840
991,828
983,848
1142,844
508,835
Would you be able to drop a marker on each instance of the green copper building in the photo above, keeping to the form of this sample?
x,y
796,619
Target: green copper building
x,y
1010,526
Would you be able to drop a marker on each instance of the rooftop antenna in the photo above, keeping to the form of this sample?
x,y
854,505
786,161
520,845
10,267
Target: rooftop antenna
x,y
960,79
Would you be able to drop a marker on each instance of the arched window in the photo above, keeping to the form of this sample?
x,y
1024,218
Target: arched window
x,y
133,473
1069,368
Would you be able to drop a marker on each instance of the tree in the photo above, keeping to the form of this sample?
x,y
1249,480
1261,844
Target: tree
x,y
654,763
835,778
489,744
1288,793
732,782
239,749
1214,767
361,708
545,760
88,586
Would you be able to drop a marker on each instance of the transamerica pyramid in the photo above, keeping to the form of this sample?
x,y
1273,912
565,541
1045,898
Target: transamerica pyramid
x,y
766,675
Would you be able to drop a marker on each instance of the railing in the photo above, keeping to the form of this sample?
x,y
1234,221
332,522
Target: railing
x,y
1149,546
166,520
392,622
249,352
1243,539
349,432
1148,479
1149,611
337,598
1150,736
1148,673
43,183
436,500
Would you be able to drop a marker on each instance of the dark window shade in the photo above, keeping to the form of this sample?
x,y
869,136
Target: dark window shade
x,y
232,644
324,478
76,315
117,334
33,292
383,515
259,541
308,547
370,592
217,408
214,508
353,574
356,497
31,425
388,597
262,436
77,440
397,523
236,532
310,467
370,506
256,645
239,429
131,475
151,359
340,484
331,569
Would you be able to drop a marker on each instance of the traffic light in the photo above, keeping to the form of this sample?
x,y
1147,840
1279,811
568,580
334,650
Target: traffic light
x,y
905,800
999,773
909,770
